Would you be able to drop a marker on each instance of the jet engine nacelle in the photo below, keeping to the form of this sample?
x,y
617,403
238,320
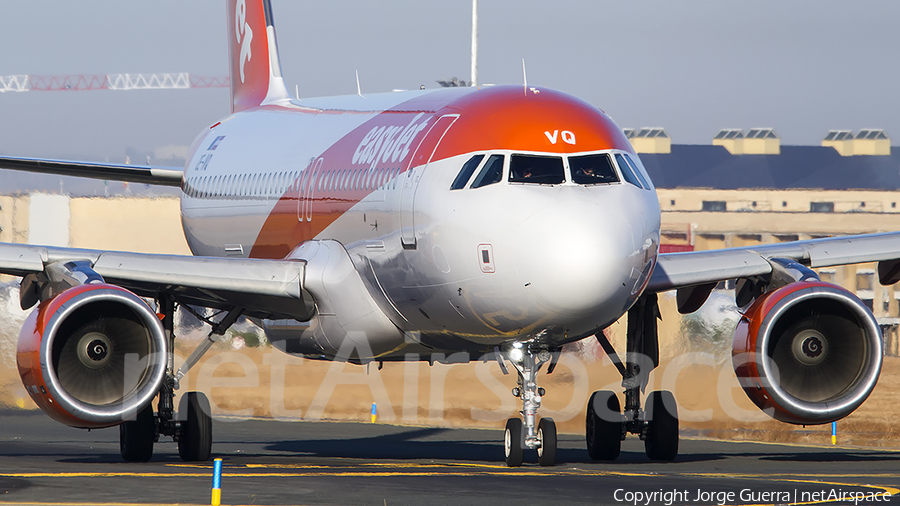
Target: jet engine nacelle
x,y
807,353
92,356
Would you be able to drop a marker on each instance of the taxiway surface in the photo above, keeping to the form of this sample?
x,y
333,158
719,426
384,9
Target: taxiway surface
x,y
271,462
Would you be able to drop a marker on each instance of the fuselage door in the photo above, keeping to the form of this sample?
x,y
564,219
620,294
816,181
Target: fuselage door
x,y
410,179
306,194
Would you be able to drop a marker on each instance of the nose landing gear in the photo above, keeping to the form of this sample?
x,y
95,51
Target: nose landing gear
x,y
525,433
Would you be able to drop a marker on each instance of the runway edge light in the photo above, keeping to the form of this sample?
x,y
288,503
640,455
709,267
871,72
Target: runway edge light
x,y
834,433
374,412
217,483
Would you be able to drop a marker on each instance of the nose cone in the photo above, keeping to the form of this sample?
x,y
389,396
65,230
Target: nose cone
x,y
575,259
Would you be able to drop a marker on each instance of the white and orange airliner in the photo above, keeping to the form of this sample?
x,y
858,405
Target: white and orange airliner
x,y
502,222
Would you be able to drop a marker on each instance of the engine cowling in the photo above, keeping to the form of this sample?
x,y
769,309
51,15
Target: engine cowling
x,y
92,356
808,353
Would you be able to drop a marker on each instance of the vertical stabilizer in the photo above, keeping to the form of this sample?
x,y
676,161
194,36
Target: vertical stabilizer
x,y
253,55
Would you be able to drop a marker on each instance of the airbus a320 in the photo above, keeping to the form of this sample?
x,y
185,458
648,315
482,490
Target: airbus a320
x,y
501,222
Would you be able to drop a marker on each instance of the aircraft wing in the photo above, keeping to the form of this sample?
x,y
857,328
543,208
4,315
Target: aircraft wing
x,y
676,270
149,174
265,288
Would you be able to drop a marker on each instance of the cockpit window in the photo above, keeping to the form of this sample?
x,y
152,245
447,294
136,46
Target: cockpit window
x,y
466,172
491,173
628,171
536,169
639,170
592,169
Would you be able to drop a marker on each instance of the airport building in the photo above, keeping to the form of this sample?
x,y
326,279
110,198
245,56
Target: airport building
x,y
746,188
740,190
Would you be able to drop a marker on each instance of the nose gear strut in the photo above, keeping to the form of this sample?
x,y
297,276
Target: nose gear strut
x,y
525,433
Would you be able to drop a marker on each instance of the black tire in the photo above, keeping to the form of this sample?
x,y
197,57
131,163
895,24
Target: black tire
x,y
513,442
603,426
136,437
195,440
547,436
661,441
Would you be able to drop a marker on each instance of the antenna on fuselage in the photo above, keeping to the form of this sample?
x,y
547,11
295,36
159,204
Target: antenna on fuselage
x,y
524,75
474,76
358,89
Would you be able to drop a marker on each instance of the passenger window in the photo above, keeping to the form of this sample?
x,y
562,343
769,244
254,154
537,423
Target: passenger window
x,y
536,169
468,168
627,171
640,171
491,173
592,169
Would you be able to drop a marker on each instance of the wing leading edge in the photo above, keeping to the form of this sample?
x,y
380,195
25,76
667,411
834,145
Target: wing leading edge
x,y
678,270
265,288
148,174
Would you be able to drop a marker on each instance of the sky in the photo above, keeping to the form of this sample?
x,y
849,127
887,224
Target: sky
x,y
691,66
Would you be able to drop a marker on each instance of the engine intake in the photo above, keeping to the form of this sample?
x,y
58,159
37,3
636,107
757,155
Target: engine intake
x,y
92,356
808,353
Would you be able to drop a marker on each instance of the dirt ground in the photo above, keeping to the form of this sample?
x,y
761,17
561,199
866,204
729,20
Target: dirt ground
x,y
263,382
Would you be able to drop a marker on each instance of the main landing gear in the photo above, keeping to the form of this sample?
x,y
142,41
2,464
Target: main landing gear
x,y
525,433
606,424
191,426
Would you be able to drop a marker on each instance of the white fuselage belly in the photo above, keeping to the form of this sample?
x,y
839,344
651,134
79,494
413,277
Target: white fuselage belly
x,y
565,260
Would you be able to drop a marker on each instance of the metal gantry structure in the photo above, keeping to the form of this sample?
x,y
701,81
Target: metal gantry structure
x,y
119,82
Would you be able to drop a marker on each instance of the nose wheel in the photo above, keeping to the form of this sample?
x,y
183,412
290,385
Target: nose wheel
x,y
523,433
513,443
546,449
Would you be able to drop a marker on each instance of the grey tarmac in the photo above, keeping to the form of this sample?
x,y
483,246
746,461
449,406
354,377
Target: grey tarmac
x,y
303,462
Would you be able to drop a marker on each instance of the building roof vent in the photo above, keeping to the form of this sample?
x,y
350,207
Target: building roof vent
x,y
758,141
652,133
871,134
649,140
869,141
839,135
730,133
761,133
